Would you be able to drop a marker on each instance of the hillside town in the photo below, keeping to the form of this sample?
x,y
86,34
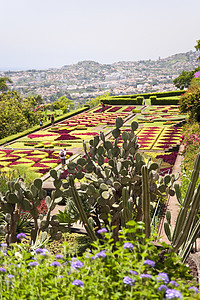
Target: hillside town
x,y
89,79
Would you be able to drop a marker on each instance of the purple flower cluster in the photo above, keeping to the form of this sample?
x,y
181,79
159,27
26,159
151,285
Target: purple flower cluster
x,y
33,264
197,74
101,254
194,289
59,256
171,294
149,263
41,251
133,272
78,282
76,264
21,236
145,276
162,287
3,270
173,282
128,281
163,277
55,264
102,230
128,245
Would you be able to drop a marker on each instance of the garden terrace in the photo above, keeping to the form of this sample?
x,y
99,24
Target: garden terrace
x,y
71,132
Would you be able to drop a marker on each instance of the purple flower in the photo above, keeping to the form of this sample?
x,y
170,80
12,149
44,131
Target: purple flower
x,y
128,245
21,236
173,282
3,270
197,74
145,276
102,230
38,250
100,254
162,287
3,245
193,288
149,262
78,282
127,280
133,272
76,264
163,277
55,264
59,256
41,251
10,276
171,294
33,264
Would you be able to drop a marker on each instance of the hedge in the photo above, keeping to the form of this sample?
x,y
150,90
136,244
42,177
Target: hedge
x,y
165,101
147,95
124,101
37,127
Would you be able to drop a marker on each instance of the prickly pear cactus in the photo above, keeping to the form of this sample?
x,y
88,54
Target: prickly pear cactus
x,y
19,198
113,177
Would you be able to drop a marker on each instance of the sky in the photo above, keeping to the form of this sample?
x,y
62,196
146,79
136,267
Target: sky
x,y
44,34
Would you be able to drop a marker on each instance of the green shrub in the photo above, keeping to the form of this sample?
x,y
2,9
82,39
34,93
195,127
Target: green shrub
x,y
131,270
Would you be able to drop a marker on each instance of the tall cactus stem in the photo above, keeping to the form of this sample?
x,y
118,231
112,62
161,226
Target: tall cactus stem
x,y
80,208
146,201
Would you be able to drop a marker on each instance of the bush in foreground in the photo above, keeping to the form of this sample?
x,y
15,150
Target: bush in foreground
x,y
129,270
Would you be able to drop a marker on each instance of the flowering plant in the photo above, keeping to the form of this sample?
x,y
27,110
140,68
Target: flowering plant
x,y
130,270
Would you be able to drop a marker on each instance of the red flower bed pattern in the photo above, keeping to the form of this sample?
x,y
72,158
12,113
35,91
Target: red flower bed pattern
x,y
129,108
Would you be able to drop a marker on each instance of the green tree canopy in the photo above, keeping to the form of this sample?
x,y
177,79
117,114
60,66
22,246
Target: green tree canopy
x,y
184,79
3,85
198,47
16,113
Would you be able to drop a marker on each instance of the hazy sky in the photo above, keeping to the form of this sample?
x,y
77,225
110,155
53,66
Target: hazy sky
x,y
42,34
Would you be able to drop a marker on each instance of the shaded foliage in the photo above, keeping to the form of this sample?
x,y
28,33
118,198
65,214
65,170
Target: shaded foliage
x,y
16,113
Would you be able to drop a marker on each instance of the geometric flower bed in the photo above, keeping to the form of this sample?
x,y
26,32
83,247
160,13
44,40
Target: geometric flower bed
x,y
71,132
168,114
169,137
148,136
41,161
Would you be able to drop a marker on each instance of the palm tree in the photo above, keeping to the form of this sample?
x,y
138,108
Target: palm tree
x,y
3,85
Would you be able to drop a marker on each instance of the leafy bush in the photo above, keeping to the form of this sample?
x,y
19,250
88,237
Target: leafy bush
x,y
132,270
190,102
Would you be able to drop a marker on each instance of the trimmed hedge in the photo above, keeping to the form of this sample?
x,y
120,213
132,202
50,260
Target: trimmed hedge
x,y
37,127
124,101
165,101
147,95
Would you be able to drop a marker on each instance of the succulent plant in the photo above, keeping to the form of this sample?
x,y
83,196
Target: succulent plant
x,y
113,178
18,197
187,225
